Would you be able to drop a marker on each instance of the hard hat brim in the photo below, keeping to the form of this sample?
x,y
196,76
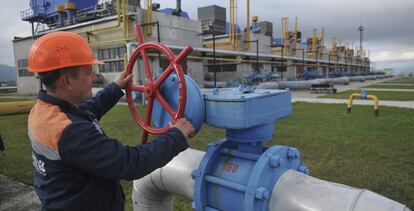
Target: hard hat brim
x,y
93,62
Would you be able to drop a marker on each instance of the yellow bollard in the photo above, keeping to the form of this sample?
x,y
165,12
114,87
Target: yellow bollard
x,y
373,97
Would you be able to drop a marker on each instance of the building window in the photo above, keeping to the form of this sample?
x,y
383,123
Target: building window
x,y
222,67
22,65
113,58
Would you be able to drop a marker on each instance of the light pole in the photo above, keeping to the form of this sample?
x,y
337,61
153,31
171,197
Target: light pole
x,y
214,54
281,60
212,32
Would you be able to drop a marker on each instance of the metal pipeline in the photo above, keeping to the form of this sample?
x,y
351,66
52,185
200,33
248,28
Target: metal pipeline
x,y
21,107
154,192
125,18
148,18
293,191
300,192
247,43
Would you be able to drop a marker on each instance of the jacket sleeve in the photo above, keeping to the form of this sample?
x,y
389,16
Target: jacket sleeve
x,y
103,101
83,146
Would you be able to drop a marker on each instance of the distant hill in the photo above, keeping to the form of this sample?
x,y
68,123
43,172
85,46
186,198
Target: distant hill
x,y
7,73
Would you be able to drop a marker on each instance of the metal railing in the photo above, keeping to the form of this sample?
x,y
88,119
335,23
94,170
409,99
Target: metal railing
x,y
33,12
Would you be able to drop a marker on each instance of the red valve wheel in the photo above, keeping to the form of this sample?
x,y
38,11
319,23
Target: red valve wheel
x,y
151,87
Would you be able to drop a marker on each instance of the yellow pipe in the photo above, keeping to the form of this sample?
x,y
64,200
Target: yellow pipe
x,y
314,41
149,17
323,37
121,41
232,25
118,24
285,34
373,97
232,22
247,44
22,107
125,18
322,41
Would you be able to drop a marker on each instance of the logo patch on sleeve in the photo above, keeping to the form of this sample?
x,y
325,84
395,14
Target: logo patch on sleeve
x,y
39,165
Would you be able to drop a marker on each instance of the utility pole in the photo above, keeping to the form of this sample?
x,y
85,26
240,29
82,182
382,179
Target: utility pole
x,y
257,52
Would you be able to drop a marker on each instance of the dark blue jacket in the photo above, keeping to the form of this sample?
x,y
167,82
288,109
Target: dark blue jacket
x,y
77,167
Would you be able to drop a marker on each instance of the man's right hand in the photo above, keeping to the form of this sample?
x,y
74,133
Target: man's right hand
x,y
122,81
185,127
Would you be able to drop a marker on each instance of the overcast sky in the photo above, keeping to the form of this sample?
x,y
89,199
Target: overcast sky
x,y
388,34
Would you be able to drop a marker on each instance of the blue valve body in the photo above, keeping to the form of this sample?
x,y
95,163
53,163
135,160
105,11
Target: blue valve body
x,y
230,178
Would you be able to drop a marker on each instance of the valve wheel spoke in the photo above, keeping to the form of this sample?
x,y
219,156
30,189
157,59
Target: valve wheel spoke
x,y
148,115
147,69
165,104
164,75
136,88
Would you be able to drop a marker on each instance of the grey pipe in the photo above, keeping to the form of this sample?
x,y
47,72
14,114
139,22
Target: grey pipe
x,y
268,85
295,191
340,80
154,192
295,85
370,77
357,78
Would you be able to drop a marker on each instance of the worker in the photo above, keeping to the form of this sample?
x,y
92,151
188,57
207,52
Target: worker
x,y
77,166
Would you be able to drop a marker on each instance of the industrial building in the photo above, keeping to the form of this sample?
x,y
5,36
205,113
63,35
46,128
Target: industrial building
x,y
224,53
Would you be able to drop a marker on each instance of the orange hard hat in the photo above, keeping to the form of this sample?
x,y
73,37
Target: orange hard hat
x,y
59,50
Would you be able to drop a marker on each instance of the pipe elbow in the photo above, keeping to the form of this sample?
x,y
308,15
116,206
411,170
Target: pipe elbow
x,y
154,192
147,196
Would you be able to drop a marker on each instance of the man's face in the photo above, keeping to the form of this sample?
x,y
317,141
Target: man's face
x,y
82,86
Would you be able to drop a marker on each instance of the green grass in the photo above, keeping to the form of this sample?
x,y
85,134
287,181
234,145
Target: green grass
x,y
382,95
408,80
382,86
356,149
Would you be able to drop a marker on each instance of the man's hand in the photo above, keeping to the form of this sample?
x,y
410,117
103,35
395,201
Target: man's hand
x,y
185,127
123,81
